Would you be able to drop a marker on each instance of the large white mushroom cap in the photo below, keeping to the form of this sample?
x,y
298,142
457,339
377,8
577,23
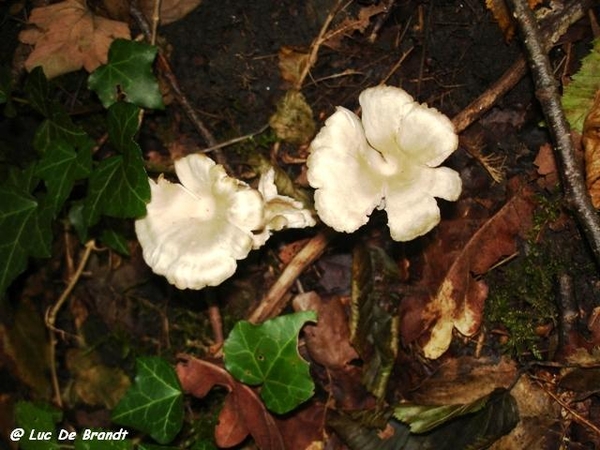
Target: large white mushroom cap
x,y
194,232
388,160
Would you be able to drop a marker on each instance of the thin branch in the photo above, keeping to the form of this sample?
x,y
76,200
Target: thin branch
x,y
576,194
557,26
167,72
52,313
274,301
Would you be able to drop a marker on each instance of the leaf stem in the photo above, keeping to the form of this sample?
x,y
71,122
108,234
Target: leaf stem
x,y
576,195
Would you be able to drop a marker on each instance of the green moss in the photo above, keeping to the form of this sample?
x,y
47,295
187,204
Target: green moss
x,y
522,293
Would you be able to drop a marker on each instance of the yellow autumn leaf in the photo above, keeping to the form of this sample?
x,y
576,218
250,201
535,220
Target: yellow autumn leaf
x,y
591,147
67,36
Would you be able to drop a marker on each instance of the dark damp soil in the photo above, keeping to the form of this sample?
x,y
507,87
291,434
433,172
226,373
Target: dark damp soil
x,y
225,56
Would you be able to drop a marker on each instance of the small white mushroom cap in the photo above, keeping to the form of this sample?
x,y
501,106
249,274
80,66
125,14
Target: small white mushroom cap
x,y
388,160
281,211
194,232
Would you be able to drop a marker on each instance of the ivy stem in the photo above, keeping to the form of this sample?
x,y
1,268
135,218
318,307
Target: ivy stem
x,y
52,313
576,196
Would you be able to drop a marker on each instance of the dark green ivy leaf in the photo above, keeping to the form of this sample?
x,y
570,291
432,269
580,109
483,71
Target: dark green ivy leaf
x,y
60,167
128,74
267,354
40,418
119,186
24,231
154,403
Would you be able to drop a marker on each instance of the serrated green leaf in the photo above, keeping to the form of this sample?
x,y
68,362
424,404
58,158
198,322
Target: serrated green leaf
x,y
24,231
60,167
578,96
37,418
374,323
154,403
127,74
267,354
119,186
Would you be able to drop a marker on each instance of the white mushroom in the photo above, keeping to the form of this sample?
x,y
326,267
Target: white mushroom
x,y
387,161
280,211
195,232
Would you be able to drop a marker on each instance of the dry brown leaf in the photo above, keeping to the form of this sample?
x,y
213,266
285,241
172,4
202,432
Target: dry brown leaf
x,y
460,298
243,412
170,10
350,25
503,16
328,342
591,147
68,36
292,62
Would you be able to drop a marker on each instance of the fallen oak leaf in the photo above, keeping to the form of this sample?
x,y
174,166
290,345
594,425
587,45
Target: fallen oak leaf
x,y
67,36
459,301
243,412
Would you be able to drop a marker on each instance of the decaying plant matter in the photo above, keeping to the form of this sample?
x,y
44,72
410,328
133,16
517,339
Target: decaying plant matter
x,y
591,147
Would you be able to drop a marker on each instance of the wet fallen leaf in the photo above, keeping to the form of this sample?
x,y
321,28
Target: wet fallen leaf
x,y
591,146
170,10
243,412
292,62
459,300
95,383
328,342
25,350
68,36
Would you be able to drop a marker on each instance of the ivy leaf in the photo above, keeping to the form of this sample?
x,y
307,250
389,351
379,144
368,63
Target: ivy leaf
x,y
115,240
119,186
37,418
128,73
107,444
60,167
24,231
154,403
578,96
267,354
58,125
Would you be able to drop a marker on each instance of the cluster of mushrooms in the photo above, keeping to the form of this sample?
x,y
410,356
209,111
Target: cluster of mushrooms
x,y
195,232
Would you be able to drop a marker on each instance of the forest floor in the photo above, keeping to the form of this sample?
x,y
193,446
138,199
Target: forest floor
x,y
510,242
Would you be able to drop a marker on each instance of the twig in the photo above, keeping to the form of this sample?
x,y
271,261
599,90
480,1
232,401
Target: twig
x,y
576,416
274,301
381,19
169,75
234,140
316,44
576,195
574,11
52,312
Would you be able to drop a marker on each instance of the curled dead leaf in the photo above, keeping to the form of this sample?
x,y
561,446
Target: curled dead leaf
x,y
328,342
170,10
67,36
243,412
591,146
459,301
